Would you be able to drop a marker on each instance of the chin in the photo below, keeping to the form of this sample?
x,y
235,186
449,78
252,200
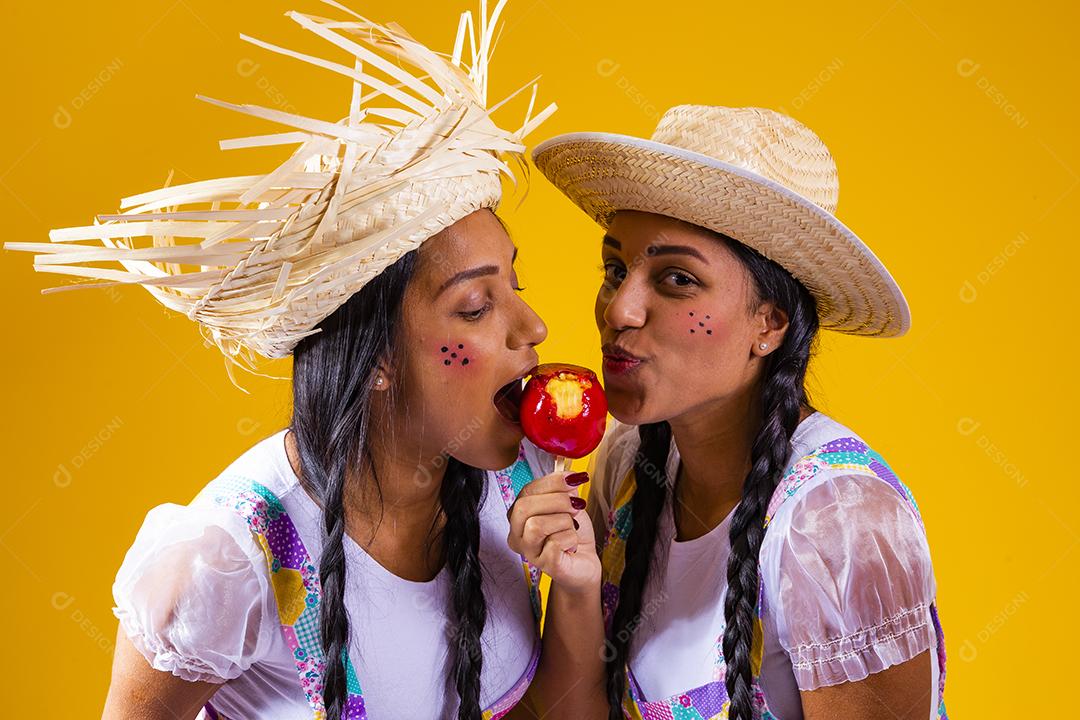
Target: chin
x,y
630,408
501,447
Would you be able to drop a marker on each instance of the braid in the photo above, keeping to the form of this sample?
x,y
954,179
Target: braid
x,y
461,495
650,494
783,395
333,615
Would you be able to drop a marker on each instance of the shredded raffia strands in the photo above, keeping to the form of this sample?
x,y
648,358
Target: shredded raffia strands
x,y
259,260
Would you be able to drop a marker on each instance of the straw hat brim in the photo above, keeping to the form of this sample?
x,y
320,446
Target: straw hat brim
x,y
604,172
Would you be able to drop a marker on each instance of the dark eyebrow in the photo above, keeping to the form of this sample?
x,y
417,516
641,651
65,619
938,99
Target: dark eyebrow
x,y
655,250
470,274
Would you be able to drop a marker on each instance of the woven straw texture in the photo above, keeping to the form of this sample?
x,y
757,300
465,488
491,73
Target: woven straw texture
x,y
753,174
259,260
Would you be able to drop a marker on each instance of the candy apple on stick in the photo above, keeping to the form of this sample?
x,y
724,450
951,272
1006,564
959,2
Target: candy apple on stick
x,y
564,411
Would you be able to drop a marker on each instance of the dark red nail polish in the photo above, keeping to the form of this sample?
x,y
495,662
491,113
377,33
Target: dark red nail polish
x,y
578,478
577,503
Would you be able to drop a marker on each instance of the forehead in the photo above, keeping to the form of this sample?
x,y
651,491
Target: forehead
x,y
476,240
636,232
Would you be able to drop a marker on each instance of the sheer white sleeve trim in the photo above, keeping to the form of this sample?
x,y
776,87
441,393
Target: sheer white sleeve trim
x,y
193,593
849,579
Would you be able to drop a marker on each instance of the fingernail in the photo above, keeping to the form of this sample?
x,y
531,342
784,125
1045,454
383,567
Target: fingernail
x,y
577,503
576,526
578,478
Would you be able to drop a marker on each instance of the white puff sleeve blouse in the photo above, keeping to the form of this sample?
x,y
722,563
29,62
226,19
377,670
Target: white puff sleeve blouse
x,y
193,593
851,582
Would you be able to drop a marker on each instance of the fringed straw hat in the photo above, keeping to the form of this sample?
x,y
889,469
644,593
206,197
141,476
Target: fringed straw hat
x,y
755,175
259,260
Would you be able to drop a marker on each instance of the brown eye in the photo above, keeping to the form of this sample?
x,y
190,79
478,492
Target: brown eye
x,y
614,274
679,279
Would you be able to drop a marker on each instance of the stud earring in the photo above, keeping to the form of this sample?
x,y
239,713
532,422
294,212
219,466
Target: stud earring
x,y
763,346
378,381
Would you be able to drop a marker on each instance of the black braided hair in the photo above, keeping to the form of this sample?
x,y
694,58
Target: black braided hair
x,y
650,494
333,376
783,395
461,495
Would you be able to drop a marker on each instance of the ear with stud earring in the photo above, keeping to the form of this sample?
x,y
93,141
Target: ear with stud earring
x,y
763,346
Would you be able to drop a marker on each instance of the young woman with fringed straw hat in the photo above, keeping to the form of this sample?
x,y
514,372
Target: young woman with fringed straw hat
x,y
749,556
353,564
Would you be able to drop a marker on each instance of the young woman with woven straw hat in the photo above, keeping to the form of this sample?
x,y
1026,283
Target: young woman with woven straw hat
x,y
353,564
753,557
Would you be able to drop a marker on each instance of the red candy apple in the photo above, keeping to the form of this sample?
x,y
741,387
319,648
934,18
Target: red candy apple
x,y
564,410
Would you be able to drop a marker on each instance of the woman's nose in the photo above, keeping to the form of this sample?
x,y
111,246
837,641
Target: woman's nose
x,y
531,329
625,307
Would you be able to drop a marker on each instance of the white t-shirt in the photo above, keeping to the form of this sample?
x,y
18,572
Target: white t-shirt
x,y
846,568
194,595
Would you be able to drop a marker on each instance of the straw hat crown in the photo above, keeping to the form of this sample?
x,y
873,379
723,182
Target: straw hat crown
x,y
762,141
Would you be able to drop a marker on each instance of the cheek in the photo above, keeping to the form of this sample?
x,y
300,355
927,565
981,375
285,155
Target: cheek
x,y
599,307
700,324
455,357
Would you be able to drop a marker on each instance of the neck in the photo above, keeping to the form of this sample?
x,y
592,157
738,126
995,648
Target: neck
x,y
392,506
715,441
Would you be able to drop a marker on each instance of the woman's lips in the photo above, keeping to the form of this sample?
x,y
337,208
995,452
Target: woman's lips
x,y
619,366
619,362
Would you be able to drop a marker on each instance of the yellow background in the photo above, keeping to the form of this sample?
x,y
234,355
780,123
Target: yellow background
x,y
953,126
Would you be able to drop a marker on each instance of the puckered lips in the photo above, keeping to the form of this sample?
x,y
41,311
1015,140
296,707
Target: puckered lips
x,y
619,361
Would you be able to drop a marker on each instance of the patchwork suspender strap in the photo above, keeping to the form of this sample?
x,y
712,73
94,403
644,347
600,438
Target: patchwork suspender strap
x,y
297,590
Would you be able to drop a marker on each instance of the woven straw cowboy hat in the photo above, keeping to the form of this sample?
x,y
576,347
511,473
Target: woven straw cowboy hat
x,y
753,174
258,260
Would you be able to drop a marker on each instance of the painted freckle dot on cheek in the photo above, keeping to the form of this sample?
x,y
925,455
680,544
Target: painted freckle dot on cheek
x,y
446,362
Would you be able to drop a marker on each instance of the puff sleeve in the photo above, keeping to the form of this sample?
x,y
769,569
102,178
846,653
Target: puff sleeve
x,y
193,593
851,580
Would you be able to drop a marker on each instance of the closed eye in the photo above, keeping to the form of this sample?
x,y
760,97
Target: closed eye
x,y
474,315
